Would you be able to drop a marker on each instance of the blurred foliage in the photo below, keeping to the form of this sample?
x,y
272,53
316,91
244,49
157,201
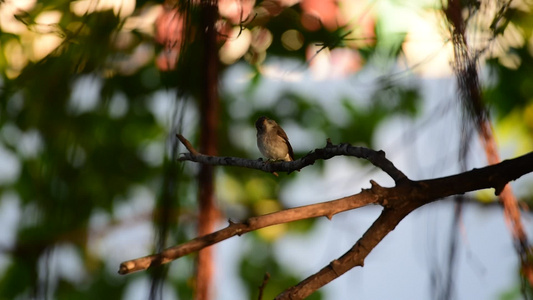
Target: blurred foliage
x,y
84,125
260,260
514,89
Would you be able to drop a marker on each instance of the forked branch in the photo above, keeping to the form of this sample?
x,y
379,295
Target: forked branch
x,y
397,201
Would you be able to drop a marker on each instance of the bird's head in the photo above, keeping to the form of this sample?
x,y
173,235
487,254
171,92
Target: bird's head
x,y
264,124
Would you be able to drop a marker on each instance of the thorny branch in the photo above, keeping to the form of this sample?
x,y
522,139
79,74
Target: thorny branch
x,y
397,202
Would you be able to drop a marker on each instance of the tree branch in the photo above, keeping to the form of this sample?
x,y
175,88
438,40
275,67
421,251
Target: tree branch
x,y
397,201
327,209
404,199
386,222
377,158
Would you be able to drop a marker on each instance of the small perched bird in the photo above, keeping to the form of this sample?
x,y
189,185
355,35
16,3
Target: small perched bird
x,y
272,141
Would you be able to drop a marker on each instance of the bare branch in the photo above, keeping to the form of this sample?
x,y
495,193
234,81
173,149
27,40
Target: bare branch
x,y
402,200
386,222
326,209
377,158
398,202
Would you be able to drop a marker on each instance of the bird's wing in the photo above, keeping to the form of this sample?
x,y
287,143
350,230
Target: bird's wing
x,y
283,135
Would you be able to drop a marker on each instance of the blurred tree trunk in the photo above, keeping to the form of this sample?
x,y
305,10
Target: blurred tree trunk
x,y
209,108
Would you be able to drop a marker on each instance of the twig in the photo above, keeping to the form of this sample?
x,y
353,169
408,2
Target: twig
x,y
187,145
263,285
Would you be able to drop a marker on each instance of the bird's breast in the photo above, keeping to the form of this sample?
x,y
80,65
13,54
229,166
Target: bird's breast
x,y
273,147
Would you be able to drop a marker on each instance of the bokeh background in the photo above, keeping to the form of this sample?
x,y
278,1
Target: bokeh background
x,y
93,92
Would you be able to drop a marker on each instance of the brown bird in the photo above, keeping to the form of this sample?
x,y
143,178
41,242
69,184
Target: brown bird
x,y
272,141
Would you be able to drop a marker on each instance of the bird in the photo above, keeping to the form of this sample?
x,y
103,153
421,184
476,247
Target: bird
x,y
272,140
